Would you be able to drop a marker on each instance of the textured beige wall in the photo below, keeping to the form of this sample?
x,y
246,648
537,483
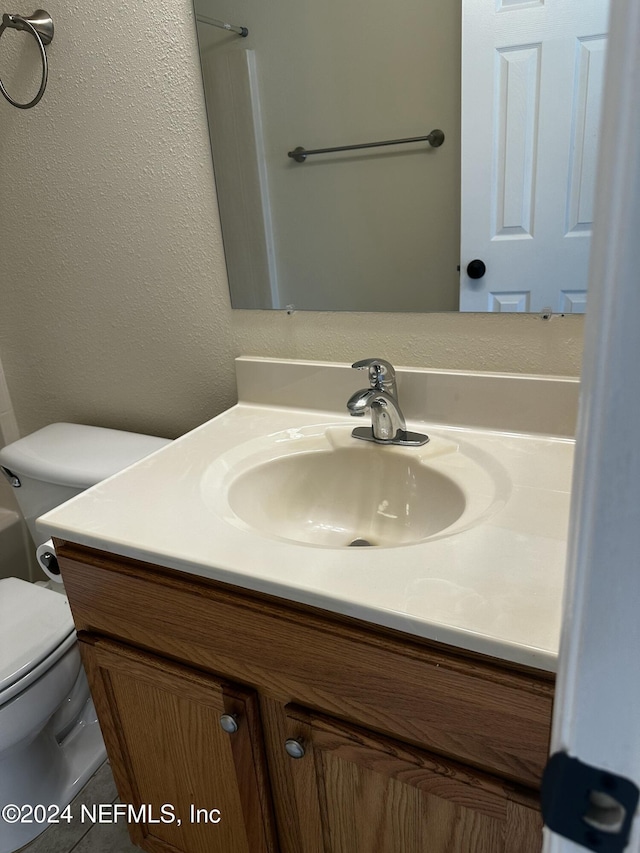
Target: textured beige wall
x,y
113,294
8,433
8,425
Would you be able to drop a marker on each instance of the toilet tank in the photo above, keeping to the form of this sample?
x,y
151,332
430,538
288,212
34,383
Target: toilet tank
x,y
59,461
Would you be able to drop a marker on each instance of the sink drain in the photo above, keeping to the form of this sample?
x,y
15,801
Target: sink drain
x,y
360,542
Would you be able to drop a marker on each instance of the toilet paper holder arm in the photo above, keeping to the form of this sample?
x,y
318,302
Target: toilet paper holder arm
x,y
51,562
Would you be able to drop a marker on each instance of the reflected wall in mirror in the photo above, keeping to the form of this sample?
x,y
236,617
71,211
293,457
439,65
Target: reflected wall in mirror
x,y
379,229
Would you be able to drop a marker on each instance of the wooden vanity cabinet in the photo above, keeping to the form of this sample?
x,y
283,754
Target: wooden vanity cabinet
x,y
357,791
350,738
204,788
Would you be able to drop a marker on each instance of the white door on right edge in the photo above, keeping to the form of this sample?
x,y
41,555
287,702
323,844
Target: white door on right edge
x,y
532,78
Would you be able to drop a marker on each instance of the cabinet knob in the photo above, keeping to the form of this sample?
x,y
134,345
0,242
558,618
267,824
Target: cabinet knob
x,y
294,748
229,723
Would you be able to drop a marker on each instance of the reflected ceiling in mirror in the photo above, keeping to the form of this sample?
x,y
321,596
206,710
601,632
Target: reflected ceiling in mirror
x,y
379,228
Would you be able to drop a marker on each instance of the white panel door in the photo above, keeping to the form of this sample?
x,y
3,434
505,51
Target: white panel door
x,y
597,704
532,77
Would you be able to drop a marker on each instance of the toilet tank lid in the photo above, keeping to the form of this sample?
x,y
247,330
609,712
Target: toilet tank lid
x,y
33,622
76,455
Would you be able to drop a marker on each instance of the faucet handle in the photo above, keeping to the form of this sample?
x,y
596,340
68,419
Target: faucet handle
x,y
382,375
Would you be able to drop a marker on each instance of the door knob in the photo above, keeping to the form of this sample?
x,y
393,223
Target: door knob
x,y
476,269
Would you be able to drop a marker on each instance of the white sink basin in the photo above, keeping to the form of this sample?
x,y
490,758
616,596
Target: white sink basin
x,y
319,486
470,529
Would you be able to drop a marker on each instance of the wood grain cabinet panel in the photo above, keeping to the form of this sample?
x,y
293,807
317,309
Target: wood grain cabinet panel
x,y
357,792
469,708
161,725
409,746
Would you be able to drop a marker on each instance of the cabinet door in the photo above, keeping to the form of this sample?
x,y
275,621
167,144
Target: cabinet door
x,y
357,792
161,725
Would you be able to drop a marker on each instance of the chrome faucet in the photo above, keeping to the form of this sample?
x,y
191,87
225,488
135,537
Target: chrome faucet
x,y
381,398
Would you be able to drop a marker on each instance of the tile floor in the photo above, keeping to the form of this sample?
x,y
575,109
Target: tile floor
x,y
86,837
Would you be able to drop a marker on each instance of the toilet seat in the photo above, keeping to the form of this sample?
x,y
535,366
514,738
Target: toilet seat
x,y
36,629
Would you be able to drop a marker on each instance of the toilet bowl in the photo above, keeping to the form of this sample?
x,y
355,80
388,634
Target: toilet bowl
x,y
50,739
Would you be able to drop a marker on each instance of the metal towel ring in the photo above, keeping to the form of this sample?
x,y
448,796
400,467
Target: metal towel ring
x,y
40,25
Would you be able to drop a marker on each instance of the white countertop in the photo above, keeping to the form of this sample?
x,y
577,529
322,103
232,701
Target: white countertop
x,y
494,588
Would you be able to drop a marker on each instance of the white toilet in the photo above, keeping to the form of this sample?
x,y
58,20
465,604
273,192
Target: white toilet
x,y
50,741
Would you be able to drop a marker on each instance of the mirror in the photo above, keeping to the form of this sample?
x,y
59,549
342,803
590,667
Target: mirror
x,y
379,228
